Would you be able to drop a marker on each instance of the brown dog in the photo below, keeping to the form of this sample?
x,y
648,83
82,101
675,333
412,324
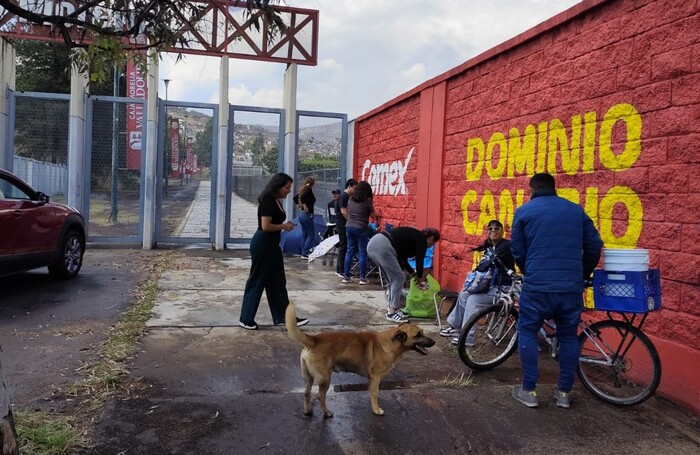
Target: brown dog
x,y
370,354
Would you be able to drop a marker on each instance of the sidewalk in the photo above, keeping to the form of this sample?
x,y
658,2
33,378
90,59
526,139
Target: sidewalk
x,y
244,219
214,388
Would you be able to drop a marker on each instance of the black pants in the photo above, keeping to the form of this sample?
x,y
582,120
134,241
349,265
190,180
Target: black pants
x,y
342,247
266,274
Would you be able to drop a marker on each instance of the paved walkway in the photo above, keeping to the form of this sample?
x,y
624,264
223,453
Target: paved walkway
x,y
197,221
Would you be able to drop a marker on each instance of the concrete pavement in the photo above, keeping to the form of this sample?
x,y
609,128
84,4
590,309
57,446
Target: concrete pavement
x,y
195,223
214,388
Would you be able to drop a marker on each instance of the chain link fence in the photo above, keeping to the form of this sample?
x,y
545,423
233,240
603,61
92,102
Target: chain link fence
x,y
255,158
319,155
40,144
186,203
115,179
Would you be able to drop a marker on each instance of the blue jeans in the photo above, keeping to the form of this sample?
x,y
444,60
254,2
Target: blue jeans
x,y
307,230
565,309
357,243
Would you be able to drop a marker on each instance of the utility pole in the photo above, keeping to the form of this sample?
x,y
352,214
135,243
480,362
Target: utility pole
x,y
167,147
115,150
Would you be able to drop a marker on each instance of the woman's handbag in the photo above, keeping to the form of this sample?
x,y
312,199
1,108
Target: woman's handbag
x,y
482,277
478,282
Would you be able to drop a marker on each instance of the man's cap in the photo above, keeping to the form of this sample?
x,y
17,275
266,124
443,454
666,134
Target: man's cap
x,y
335,191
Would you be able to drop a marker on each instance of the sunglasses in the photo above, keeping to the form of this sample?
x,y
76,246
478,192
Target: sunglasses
x,y
495,229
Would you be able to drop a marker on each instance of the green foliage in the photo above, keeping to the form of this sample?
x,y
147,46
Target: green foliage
x,y
269,159
42,433
45,67
203,144
257,149
118,30
42,66
318,162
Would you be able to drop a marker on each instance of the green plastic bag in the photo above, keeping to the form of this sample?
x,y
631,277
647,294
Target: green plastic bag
x,y
419,303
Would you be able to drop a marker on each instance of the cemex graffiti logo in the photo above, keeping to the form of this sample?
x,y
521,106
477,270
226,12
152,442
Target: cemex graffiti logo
x,y
387,178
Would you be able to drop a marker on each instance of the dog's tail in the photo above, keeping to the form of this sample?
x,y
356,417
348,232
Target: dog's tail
x,y
290,321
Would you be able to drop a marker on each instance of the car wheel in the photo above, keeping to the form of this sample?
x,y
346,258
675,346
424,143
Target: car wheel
x,y
71,256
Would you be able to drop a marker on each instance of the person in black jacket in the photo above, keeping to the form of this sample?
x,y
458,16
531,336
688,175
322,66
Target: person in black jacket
x,y
341,210
391,251
305,201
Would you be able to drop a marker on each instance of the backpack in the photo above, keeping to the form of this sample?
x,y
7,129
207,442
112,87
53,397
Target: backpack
x,y
483,276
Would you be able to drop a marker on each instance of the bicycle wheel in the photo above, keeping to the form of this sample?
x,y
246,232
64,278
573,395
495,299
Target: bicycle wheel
x,y
494,336
618,363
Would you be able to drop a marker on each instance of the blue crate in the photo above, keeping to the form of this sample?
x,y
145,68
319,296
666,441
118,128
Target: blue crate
x,y
627,292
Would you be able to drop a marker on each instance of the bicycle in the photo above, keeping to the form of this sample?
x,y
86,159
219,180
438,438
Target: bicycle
x,y
618,363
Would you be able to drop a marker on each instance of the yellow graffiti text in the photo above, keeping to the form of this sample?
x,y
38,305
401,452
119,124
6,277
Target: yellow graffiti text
x,y
552,147
479,209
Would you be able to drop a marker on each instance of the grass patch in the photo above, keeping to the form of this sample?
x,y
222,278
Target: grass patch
x,y
458,381
44,433
41,433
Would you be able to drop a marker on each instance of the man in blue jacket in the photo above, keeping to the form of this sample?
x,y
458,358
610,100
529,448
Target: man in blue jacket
x,y
556,246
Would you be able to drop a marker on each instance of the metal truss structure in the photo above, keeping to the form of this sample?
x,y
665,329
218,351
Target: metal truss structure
x,y
222,28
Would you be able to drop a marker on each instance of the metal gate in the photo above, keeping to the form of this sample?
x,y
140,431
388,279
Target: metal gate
x,y
256,144
186,172
114,169
321,150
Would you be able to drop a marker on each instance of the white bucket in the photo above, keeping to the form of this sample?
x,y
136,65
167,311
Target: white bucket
x,y
625,260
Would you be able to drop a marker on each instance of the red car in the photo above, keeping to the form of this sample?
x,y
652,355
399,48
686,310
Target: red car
x,y
37,233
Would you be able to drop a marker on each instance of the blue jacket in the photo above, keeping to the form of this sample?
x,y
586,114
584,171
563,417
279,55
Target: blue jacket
x,y
554,243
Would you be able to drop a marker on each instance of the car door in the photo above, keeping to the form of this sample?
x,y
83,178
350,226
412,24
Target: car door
x,y
27,225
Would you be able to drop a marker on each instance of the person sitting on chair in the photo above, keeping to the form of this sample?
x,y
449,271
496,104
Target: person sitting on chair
x,y
332,216
468,303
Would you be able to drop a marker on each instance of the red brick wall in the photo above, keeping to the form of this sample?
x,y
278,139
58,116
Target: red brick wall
x,y
606,96
389,160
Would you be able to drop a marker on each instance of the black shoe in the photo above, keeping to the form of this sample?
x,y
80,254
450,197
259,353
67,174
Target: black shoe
x,y
252,326
302,321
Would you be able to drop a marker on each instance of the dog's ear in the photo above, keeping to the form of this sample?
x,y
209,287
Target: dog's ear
x,y
400,336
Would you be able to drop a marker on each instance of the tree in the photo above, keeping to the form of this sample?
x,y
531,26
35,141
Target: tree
x,y
257,149
44,66
203,144
269,159
111,30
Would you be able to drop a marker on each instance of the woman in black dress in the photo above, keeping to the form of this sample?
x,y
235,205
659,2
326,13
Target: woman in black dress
x,y
267,268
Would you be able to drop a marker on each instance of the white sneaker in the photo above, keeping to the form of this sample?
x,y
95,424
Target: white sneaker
x,y
363,282
402,313
449,332
396,317
347,280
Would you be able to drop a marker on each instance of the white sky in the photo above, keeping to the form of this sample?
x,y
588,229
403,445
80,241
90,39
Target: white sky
x,y
370,51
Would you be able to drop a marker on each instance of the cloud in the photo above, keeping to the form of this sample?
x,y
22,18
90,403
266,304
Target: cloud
x,y
369,52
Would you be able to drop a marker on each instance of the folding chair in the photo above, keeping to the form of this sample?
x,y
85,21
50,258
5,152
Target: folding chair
x,y
443,295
